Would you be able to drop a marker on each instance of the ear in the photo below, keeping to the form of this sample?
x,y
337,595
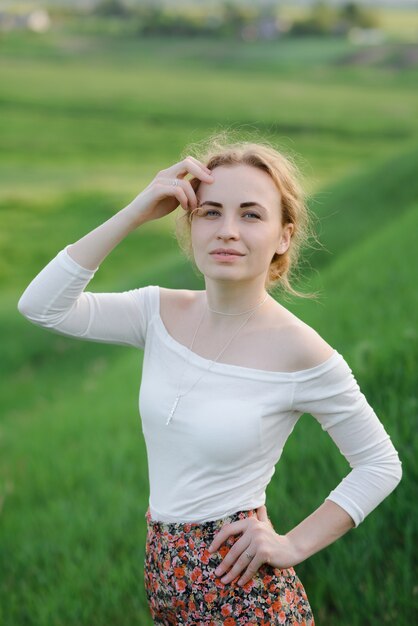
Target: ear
x,y
285,238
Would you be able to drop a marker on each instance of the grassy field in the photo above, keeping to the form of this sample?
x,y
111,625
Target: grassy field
x,y
85,123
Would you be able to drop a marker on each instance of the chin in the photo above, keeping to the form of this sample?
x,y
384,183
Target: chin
x,y
227,277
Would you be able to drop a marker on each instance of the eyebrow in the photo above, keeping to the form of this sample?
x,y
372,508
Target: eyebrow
x,y
242,205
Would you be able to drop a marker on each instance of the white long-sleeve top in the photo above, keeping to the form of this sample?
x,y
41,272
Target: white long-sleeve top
x,y
219,451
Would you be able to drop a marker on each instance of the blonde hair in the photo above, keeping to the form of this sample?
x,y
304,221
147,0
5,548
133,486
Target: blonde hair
x,y
219,149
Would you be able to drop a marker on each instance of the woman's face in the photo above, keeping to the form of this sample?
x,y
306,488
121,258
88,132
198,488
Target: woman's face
x,y
254,230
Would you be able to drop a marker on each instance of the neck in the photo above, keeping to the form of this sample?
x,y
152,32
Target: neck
x,y
232,298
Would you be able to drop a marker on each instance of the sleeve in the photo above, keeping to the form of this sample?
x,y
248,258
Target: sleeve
x,y
333,397
55,299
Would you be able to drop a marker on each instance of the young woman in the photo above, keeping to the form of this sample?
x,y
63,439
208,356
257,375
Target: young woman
x,y
226,374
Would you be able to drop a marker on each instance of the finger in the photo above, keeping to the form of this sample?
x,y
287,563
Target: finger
x,y
250,572
181,196
194,167
234,528
187,188
189,191
205,167
262,514
243,566
185,197
233,554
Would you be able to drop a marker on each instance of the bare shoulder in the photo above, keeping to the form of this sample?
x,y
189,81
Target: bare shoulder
x,y
303,345
281,340
176,311
308,347
176,299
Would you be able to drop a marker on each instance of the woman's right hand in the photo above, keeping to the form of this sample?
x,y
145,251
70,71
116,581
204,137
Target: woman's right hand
x,y
161,197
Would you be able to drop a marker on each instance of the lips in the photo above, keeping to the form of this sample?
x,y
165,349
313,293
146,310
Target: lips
x,y
226,252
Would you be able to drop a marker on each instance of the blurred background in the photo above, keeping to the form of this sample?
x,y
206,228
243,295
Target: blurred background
x,y
95,98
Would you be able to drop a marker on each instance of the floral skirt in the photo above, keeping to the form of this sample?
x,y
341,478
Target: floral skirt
x,y
182,588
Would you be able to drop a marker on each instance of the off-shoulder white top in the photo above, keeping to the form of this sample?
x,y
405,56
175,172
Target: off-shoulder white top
x,y
219,452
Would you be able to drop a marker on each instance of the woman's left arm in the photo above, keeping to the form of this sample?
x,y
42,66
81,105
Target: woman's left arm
x,y
333,397
325,525
331,394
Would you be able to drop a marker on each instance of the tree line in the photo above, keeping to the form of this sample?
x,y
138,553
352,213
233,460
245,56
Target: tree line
x,y
234,20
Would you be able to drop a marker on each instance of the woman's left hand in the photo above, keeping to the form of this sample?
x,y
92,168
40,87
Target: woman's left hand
x,y
259,544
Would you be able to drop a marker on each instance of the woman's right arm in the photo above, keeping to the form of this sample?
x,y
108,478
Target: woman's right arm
x,y
55,299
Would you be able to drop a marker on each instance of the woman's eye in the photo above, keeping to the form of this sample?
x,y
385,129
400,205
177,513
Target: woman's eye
x,y
210,211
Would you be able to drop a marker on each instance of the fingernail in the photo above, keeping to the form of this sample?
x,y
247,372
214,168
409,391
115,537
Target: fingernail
x,y
223,580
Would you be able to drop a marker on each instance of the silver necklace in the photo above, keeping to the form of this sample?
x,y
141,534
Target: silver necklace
x,y
180,395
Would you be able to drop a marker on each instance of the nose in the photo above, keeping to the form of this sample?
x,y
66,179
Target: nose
x,y
228,228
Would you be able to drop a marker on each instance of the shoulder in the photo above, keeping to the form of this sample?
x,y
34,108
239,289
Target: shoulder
x,y
303,345
181,297
176,299
308,348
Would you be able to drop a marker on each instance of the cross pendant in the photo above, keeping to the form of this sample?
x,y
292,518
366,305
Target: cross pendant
x,y
173,408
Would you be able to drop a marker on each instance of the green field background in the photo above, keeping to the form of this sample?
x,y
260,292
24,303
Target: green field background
x,y
85,124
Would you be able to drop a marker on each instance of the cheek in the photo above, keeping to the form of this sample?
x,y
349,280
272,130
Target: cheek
x,y
263,242
197,242
199,233
194,232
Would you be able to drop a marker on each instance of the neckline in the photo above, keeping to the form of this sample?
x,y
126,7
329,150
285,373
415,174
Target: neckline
x,y
240,369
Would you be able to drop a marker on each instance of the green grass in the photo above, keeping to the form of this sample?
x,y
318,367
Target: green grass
x,y
354,208
368,312
83,128
124,107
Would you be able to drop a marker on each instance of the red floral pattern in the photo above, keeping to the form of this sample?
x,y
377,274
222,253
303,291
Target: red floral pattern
x,y
182,588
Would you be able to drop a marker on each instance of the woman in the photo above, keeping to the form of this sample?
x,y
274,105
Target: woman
x,y
226,374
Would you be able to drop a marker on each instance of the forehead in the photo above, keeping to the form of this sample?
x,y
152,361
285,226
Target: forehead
x,y
240,183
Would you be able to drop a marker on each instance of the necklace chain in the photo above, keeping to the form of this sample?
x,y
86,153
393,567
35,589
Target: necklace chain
x,y
180,395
